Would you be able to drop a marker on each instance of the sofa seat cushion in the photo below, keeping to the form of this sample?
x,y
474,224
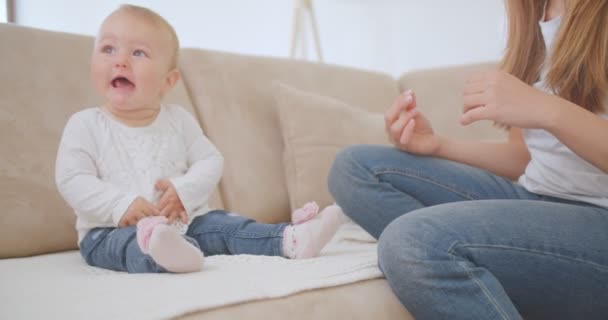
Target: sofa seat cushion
x,y
63,286
369,299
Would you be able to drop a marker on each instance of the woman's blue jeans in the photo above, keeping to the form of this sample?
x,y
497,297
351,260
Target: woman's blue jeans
x,y
216,232
457,242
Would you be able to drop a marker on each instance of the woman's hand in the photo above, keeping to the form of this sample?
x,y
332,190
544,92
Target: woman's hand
x,y
408,129
504,99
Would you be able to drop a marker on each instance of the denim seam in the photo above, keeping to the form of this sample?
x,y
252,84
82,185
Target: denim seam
x,y
361,167
125,248
239,235
533,251
277,240
479,283
230,230
418,176
278,247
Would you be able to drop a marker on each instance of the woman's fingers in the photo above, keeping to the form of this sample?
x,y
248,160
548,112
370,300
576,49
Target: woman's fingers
x,y
403,102
472,101
413,104
410,123
393,112
475,114
407,132
397,128
476,98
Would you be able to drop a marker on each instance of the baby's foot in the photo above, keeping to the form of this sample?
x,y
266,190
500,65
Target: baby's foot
x,y
167,246
145,227
171,251
306,212
305,240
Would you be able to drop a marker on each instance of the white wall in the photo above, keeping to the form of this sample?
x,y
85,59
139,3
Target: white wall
x,y
3,17
390,36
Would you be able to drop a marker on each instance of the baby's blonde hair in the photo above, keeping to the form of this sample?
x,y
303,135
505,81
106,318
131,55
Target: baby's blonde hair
x,y
155,19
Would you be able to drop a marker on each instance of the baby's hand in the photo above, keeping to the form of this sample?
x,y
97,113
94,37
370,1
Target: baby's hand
x,y
169,204
139,208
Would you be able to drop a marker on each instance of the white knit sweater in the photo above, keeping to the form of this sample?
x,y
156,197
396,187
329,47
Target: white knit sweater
x,y
103,165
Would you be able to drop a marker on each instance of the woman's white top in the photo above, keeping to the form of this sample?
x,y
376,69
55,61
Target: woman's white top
x,y
554,169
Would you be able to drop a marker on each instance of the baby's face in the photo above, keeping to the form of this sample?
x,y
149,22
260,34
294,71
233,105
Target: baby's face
x,y
131,62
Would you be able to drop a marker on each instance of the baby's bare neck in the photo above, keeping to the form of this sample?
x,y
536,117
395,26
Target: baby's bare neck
x,y
133,118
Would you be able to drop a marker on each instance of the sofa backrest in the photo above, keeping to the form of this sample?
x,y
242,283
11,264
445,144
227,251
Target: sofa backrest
x,y
234,96
44,79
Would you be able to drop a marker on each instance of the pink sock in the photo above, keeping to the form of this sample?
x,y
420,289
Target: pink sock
x,y
307,239
167,246
145,227
307,212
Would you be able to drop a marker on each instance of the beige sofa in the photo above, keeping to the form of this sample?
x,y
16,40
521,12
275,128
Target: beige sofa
x,y
277,139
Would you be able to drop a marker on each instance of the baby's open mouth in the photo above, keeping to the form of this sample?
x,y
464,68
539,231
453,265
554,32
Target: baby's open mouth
x,y
122,82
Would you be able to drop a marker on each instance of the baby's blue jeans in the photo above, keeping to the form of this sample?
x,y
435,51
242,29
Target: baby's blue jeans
x,y
216,232
457,242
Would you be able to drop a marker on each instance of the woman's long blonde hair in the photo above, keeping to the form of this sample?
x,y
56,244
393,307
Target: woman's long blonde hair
x,y
578,65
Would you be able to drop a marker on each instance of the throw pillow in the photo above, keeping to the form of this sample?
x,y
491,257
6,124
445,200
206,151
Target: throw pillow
x,y
314,129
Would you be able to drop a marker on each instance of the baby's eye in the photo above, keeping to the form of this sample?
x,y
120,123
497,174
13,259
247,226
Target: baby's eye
x,y
108,49
139,53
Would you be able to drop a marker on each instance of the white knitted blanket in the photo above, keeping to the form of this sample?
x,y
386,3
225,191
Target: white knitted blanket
x,y
62,286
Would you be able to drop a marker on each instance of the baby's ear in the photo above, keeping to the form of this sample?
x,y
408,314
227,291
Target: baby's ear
x,y
171,79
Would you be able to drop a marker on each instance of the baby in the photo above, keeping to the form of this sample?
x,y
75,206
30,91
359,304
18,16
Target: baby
x,y
134,169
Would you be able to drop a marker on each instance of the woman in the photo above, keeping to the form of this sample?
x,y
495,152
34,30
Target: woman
x,y
459,238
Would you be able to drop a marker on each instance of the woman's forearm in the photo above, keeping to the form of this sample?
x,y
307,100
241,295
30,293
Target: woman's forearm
x,y
584,132
506,159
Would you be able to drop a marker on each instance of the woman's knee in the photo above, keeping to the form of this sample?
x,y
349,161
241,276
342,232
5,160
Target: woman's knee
x,y
358,163
350,164
415,236
397,244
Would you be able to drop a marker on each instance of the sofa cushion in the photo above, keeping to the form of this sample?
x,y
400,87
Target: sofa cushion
x,y
314,129
44,79
233,95
62,286
370,299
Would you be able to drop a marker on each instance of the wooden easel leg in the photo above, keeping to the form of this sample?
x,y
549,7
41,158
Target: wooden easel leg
x,y
295,27
298,36
315,31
